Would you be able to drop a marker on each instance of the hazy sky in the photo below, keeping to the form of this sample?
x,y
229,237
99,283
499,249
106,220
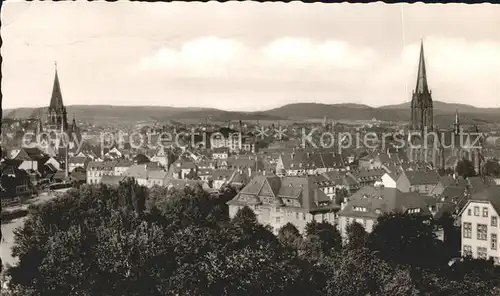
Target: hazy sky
x,y
247,56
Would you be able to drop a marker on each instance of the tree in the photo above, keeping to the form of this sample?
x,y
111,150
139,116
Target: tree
x,y
465,168
492,168
290,236
324,234
406,239
340,195
356,236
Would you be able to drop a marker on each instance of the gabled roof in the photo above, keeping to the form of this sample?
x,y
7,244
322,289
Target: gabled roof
x,y
279,190
31,154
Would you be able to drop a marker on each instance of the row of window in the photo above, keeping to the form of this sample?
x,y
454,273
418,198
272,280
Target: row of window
x,y
477,211
482,233
481,252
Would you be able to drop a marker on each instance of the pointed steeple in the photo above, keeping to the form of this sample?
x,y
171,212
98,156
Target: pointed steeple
x,y
56,101
422,86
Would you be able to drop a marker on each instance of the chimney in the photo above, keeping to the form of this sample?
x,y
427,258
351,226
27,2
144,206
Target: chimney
x,y
249,171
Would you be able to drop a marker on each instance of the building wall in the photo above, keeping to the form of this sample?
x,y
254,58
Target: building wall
x,y
277,217
344,221
28,165
424,189
473,242
119,171
388,181
95,176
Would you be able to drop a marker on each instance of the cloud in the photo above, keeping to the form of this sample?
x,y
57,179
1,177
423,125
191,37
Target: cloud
x,y
218,56
457,70
205,56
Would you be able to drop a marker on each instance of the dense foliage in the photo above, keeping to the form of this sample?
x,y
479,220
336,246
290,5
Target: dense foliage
x,y
100,240
465,168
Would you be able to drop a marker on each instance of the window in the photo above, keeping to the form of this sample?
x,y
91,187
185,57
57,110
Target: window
x,y
493,241
347,221
467,230
476,211
303,216
481,253
482,231
278,219
467,251
297,216
494,221
278,210
485,212
469,212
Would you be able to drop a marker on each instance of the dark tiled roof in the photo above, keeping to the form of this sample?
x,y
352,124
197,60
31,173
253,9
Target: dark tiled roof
x,y
422,177
302,189
379,200
491,194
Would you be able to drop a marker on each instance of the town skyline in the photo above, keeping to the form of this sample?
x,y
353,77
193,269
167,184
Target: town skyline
x,y
248,67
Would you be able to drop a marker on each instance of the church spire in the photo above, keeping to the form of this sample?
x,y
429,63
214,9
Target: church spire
x,y
56,101
422,86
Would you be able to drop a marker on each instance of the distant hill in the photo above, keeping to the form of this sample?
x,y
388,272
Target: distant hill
x,y
443,113
111,114
442,107
336,112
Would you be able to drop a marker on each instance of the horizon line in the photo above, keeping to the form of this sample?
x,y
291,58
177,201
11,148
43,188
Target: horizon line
x,y
248,111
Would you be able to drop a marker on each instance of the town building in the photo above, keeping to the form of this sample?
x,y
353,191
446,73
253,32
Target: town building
x,y
367,204
479,224
417,181
96,170
277,201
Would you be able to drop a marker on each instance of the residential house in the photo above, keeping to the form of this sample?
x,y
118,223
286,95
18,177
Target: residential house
x,y
277,201
367,204
147,174
77,162
32,158
422,181
479,224
221,177
220,153
121,166
14,181
96,170
181,168
367,177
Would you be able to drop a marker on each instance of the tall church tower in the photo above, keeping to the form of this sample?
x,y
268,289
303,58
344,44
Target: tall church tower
x,y
57,118
421,103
